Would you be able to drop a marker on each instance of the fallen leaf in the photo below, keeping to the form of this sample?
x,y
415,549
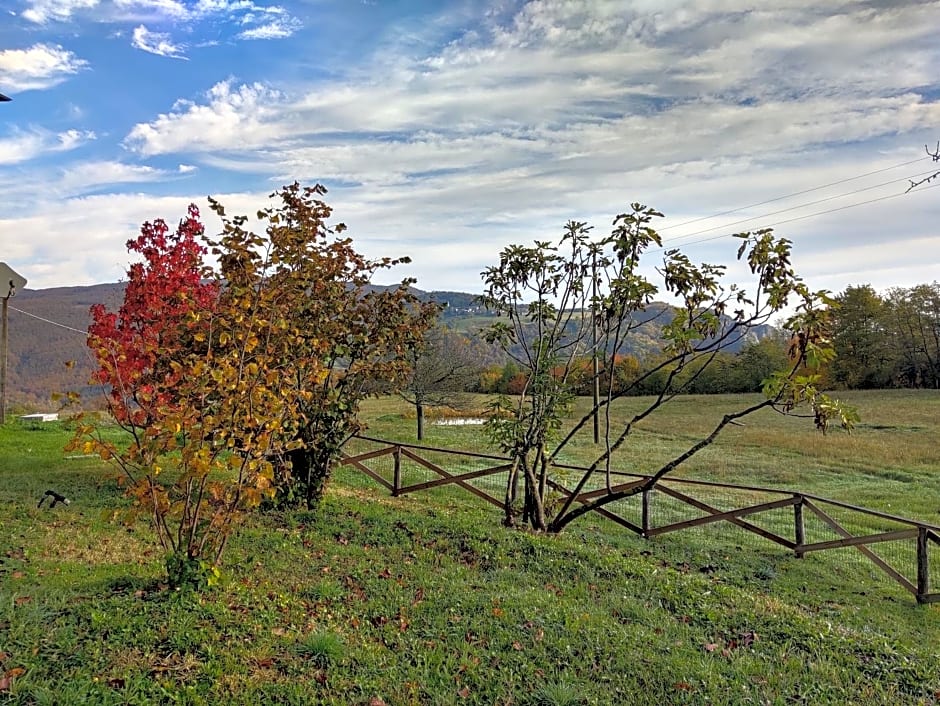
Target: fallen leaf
x,y
376,701
517,646
6,681
22,599
116,683
18,575
682,686
711,646
463,692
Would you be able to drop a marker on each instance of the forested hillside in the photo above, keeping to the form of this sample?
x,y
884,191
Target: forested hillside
x,y
882,340
46,357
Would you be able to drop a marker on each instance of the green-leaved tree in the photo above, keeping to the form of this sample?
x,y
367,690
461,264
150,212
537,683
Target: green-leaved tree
x,y
559,300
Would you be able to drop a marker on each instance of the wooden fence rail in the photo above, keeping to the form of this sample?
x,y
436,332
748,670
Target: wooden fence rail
x,y
809,525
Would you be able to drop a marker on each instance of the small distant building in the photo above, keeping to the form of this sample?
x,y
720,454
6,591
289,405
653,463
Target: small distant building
x,y
41,417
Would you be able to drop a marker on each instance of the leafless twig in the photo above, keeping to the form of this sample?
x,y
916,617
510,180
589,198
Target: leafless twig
x,y
935,156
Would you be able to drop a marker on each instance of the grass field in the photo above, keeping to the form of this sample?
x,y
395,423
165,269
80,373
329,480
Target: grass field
x,y
427,600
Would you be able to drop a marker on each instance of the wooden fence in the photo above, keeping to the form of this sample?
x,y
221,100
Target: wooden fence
x,y
800,522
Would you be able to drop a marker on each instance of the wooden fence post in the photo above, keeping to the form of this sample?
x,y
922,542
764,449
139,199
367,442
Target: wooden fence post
x,y
396,473
799,530
923,567
645,509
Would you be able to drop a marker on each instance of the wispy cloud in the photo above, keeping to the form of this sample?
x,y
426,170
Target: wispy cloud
x,y
43,11
37,67
264,21
278,29
89,176
155,9
450,133
24,146
189,11
20,148
70,139
158,43
601,90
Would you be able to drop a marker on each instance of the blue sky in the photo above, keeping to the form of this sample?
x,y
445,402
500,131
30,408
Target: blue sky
x,y
446,130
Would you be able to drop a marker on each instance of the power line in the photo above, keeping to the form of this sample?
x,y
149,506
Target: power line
x,y
50,321
795,208
800,218
795,193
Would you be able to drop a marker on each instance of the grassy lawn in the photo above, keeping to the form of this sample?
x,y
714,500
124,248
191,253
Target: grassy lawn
x,y
426,600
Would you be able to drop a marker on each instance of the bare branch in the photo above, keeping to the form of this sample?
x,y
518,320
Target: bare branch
x,y
935,157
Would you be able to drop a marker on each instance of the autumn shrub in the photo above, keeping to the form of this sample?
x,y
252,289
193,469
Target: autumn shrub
x,y
237,381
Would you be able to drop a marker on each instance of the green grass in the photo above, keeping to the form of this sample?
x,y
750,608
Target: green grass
x,y
890,463
426,600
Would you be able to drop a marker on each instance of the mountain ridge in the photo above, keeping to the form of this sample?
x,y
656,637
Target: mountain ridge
x,y
48,353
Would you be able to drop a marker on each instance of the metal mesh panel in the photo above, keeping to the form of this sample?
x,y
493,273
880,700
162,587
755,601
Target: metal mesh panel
x,y
823,521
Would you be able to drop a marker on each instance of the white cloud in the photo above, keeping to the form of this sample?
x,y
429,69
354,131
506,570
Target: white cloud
x,y
102,224
37,67
229,7
278,29
70,139
231,117
24,146
447,148
42,11
570,110
158,43
154,9
89,176
563,67
177,11
20,148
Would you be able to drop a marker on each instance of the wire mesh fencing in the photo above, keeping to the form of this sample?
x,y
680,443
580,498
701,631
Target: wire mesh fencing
x,y
718,513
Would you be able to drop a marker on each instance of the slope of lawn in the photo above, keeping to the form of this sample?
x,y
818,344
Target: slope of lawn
x,y
419,600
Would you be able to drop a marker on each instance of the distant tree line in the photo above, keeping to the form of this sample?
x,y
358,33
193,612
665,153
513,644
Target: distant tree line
x,y
726,373
881,341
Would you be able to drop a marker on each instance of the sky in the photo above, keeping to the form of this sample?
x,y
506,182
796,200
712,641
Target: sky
x,y
445,131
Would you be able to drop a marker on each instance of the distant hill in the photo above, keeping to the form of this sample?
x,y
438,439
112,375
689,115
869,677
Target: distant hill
x,y
39,350
51,333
